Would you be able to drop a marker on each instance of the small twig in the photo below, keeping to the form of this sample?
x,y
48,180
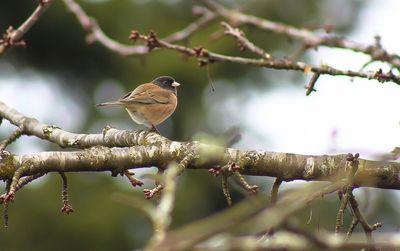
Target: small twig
x,y
13,137
225,190
162,216
274,190
296,55
244,43
342,208
14,37
9,197
134,182
66,208
243,183
348,190
274,199
206,17
150,193
368,229
353,225
310,86
311,216
21,183
5,206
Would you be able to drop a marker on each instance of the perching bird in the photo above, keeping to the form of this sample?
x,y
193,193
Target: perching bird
x,y
151,103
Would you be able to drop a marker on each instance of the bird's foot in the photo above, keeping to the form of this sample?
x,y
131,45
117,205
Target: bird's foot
x,y
154,129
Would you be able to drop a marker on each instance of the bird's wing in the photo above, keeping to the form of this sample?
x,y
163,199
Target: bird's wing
x,y
147,94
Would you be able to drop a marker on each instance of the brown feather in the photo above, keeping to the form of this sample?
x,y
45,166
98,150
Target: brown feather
x,y
148,104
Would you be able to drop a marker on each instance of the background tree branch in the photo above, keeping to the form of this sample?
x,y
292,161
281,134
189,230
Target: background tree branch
x,y
14,37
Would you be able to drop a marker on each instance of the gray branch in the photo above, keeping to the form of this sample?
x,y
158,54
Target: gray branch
x,y
146,149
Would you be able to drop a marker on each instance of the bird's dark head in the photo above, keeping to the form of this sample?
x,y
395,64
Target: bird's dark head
x,y
166,82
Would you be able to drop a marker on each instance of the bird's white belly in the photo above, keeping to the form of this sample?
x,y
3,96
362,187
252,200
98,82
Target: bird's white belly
x,y
138,118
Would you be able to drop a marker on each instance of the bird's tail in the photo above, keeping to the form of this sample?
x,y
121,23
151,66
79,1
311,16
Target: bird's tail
x,y
109,103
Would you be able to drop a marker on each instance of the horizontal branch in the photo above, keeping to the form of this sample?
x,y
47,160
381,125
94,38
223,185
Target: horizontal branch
x,y
151,149
258,163
206,57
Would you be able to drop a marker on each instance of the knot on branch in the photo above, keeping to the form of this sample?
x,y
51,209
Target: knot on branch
x,y
67,208
8,41
150,193
230,168
384,77
215,171
351,157
151,40
43,2
134,36
48,130
199,51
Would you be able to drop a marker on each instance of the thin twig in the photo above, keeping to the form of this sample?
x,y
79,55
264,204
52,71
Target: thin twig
x,y
353,162
251,189
14,37
352,226
368,229
206,17
6,205
134,181
11,138
162,216
244,43
21,183
66,208
225,190
342,208
275,189
310,87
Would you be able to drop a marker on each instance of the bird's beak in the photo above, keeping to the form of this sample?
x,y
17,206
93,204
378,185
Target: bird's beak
x,y
175,84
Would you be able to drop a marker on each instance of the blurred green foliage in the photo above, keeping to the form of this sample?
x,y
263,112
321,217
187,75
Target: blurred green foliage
x,y
56,45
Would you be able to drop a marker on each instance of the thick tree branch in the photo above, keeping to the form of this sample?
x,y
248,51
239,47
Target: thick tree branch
x,y
151,149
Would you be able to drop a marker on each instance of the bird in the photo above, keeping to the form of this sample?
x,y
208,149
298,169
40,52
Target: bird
x,y
150,104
